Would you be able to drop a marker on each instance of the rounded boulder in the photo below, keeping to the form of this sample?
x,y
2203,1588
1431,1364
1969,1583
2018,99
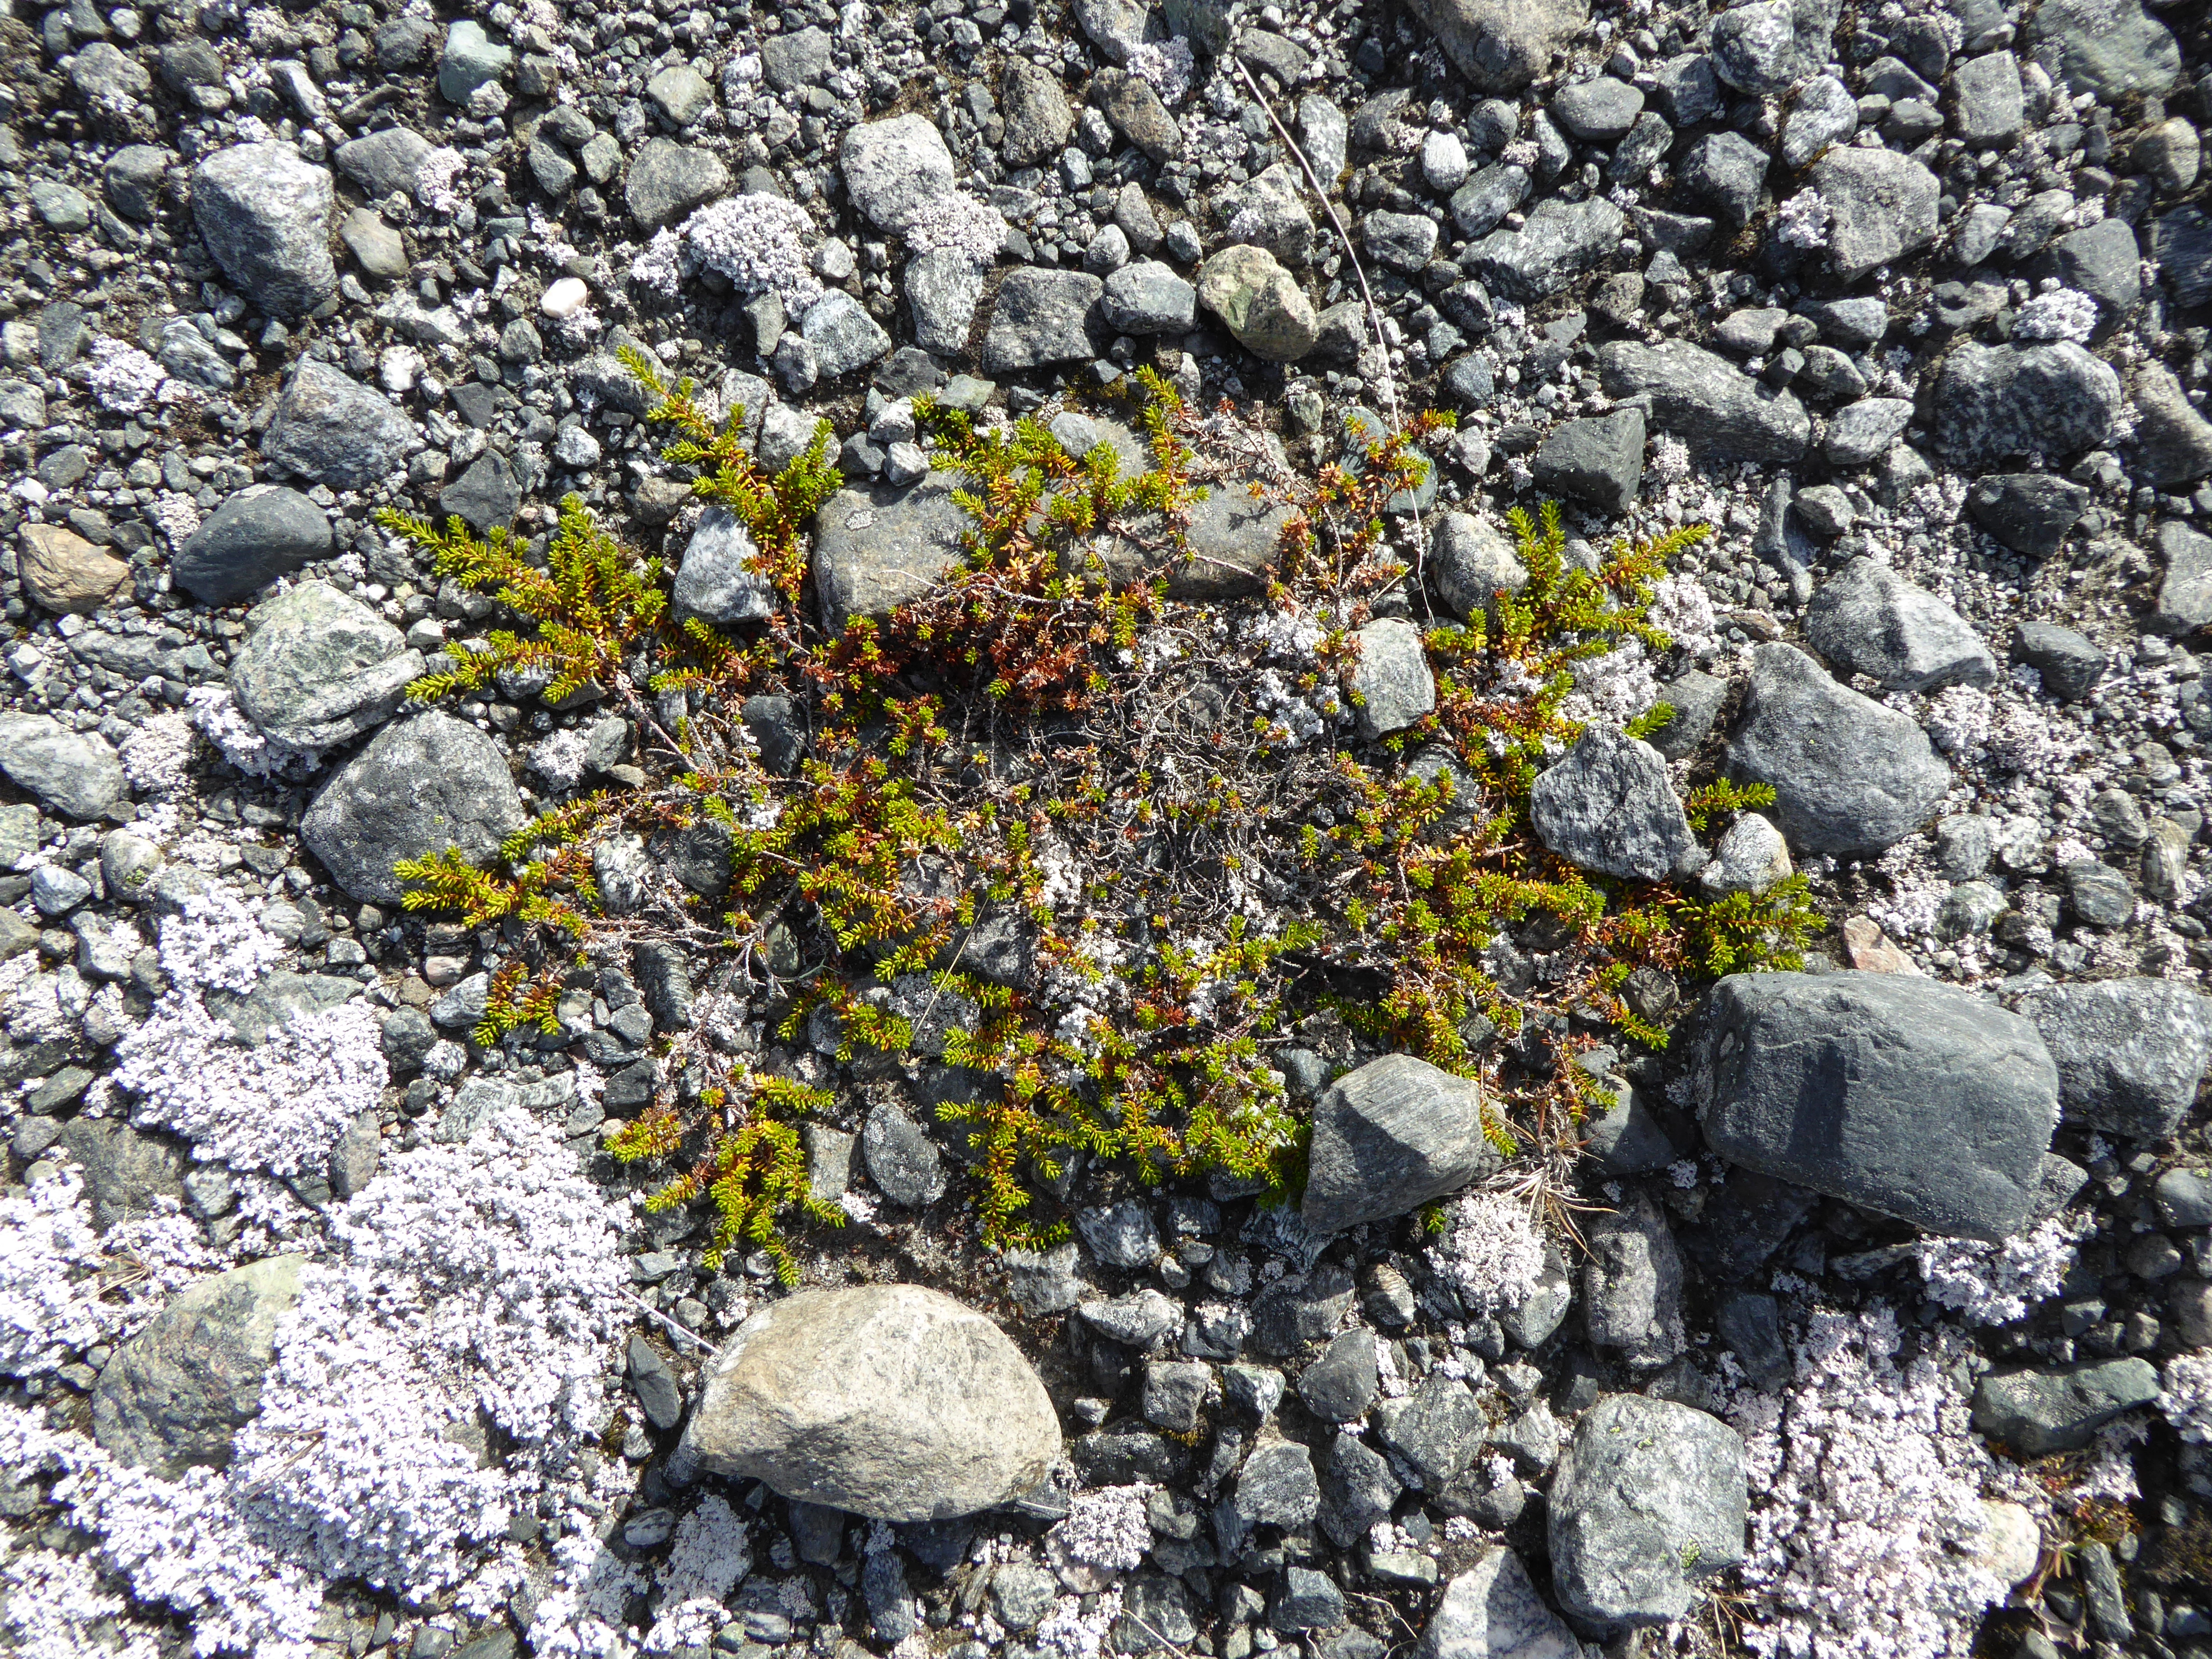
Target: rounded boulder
x,y
890,1401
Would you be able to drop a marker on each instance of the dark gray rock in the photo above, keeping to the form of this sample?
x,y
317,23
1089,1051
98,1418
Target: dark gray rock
x,y
487,496
2099,894
1433,1433
1493,1610
2184,1198
1477,205
1036,112
1293,1313
654,1384
1175,1393
1707,401
76,774
1849,775
2102,261
1042,318
126,1174
2030,512
668,181
1755,48
1276,1488
133,177
266,215
902,1161
335,430
799,59
1357,1489
1902,1096
425,784
1608,805
2037,1412
1822,113
1696,699
1688,92
1391,683
1472,561
1120,1235
1401,241
1863,432
1649,1502
1388,1137
2070,664
384,163
1881,207
1598,109
175,1394
1559,242
1995,403
1750,1323
2130,1052
1146,297
844,337
408,1036
262,532
1597,461
1134,111
1339,1386
1633,1286
2182,246
1726,172
320,668
1871,621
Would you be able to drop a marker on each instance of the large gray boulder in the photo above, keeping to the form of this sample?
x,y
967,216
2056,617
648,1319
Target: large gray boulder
x,y
1872,622
1849,777
422,785
335,430
1649,1502
75,773
1707,401
1493,1610
890,1401
262,532
1898,1093
1388,1137
879,548
266,215
175,1394
320,668
1608,805
1501,46
2130,1052
1995,403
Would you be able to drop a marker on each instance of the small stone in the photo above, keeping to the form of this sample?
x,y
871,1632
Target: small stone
x,y
2037,1412
1261,303
265,216
1871,621
421,786
895,169
1598,460
668,181
1042,318
332,429
1388,1137
2030,512
470,59
65,573
1610,806
1390,681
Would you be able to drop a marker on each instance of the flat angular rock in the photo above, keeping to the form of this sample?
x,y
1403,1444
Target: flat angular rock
x,y
2037,1412
75,773
2030,512
716,580
1598,460
1610,806
266,215
1901,1095
487,496
2173,440
1995,403
1494,1611
1650,1501
890,1401
1871,621
320,668
878,549
1041,318
668,181
424,785
1881,206
895,169
175,1394
1134,111
1433,1433
1633,1286
1849,775
1559,242
1146,297
1863,432
1707,401
2109,48
2185,592
2069,663
1726,172
335,431
942,290
384,163
1389,1137
1037,116
2130,1052
262,532
1501,46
